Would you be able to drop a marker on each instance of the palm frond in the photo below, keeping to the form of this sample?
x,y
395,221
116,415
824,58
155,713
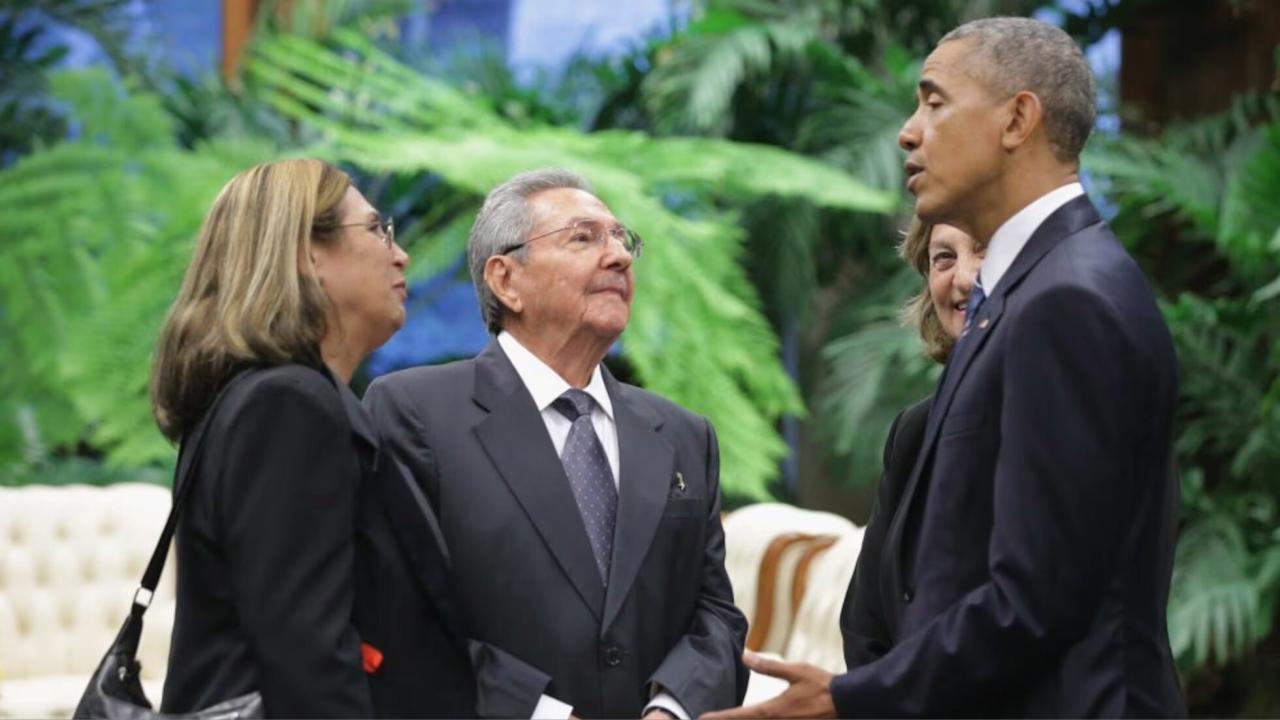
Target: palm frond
x,y
97,233
1215,601
695,78
875,370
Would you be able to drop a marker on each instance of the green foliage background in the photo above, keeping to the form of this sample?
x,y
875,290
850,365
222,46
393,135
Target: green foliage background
x,y
123,201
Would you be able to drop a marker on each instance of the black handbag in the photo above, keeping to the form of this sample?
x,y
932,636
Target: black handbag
x,y
115,690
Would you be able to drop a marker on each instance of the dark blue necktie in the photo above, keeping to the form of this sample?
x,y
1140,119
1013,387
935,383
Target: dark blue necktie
x,y
976,298
590,476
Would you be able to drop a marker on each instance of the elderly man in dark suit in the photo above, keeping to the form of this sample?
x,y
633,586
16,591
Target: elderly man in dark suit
x,y
1026,569
581,515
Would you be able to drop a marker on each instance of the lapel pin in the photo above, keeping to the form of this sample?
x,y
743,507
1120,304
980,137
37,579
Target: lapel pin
x,y
679,481
983,323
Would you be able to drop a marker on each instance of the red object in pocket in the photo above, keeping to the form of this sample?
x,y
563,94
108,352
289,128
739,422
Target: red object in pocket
x,y
371,656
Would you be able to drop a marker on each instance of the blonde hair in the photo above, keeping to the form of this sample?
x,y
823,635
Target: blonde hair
x,y
919,311
245,300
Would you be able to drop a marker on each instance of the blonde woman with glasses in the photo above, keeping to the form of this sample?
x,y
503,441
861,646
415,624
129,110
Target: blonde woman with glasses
x,y
294,280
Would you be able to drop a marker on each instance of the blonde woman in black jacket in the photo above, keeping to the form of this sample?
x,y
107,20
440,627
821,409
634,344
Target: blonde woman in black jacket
x,y
295,278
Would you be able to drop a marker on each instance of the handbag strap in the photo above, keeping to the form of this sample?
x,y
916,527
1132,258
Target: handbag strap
x,y
183,474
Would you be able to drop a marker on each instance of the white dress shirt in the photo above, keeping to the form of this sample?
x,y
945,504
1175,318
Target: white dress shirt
x,y
546,385
1012,236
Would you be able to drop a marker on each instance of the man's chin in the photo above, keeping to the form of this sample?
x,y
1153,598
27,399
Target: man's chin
x,y
608,326
929,210
934,207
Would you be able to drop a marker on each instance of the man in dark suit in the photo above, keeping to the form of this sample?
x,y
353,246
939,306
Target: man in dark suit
x,y
582,515
1031,552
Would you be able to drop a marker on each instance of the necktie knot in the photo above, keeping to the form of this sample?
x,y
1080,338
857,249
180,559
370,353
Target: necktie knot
x,y
573,404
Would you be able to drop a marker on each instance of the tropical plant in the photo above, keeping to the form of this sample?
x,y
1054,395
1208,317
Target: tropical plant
x,y
96,233
1197,207
124,201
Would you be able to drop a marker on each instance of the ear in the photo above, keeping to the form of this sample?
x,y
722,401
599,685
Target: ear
x,y
1025,114
311,260
499,275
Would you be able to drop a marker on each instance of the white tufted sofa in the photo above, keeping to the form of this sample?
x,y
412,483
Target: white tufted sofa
x,y
72,558
765,545
790,568
815,634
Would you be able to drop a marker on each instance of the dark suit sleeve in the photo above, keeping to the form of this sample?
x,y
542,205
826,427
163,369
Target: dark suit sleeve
x,y
862,625
704,670
1063,493
287,510
505,685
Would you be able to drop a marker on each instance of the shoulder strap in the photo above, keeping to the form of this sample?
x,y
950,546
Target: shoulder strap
x,y
188,460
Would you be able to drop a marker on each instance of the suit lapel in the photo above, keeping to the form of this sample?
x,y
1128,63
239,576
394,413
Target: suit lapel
x,y
646,463
515,438
1072,217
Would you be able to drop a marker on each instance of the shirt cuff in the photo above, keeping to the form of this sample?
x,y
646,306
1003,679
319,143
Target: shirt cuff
x,y
668,702
549,708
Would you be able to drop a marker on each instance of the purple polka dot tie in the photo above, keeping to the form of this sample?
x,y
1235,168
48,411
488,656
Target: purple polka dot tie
x,y
589,474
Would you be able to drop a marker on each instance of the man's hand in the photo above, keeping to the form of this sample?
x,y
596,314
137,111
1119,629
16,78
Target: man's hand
x,y
808,697
659,714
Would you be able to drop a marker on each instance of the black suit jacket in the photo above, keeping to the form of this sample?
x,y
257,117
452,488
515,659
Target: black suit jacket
x,y
863,623
1031,552
266,558
299,542
470,435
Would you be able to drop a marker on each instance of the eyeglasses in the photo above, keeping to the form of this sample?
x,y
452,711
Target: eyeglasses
x,y
589,234
384,228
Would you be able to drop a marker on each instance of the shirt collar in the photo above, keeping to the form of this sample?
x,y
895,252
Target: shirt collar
x,y
1010,237
545,384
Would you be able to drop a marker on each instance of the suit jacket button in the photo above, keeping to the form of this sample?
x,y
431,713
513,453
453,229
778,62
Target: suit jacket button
x,y
908,595
613,656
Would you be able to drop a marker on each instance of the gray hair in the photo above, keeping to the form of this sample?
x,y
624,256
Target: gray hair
x,y
1017,54
505,220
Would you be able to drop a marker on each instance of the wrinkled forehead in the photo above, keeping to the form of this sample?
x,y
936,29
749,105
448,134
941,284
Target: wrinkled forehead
x,y
561,206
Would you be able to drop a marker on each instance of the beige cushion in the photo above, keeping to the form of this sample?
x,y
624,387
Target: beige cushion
x,y
815,632
73,557
749,532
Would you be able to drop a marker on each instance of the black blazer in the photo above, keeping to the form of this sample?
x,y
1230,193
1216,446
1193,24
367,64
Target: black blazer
x,y
265,552
1030,555
470,435
863,624
298,543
